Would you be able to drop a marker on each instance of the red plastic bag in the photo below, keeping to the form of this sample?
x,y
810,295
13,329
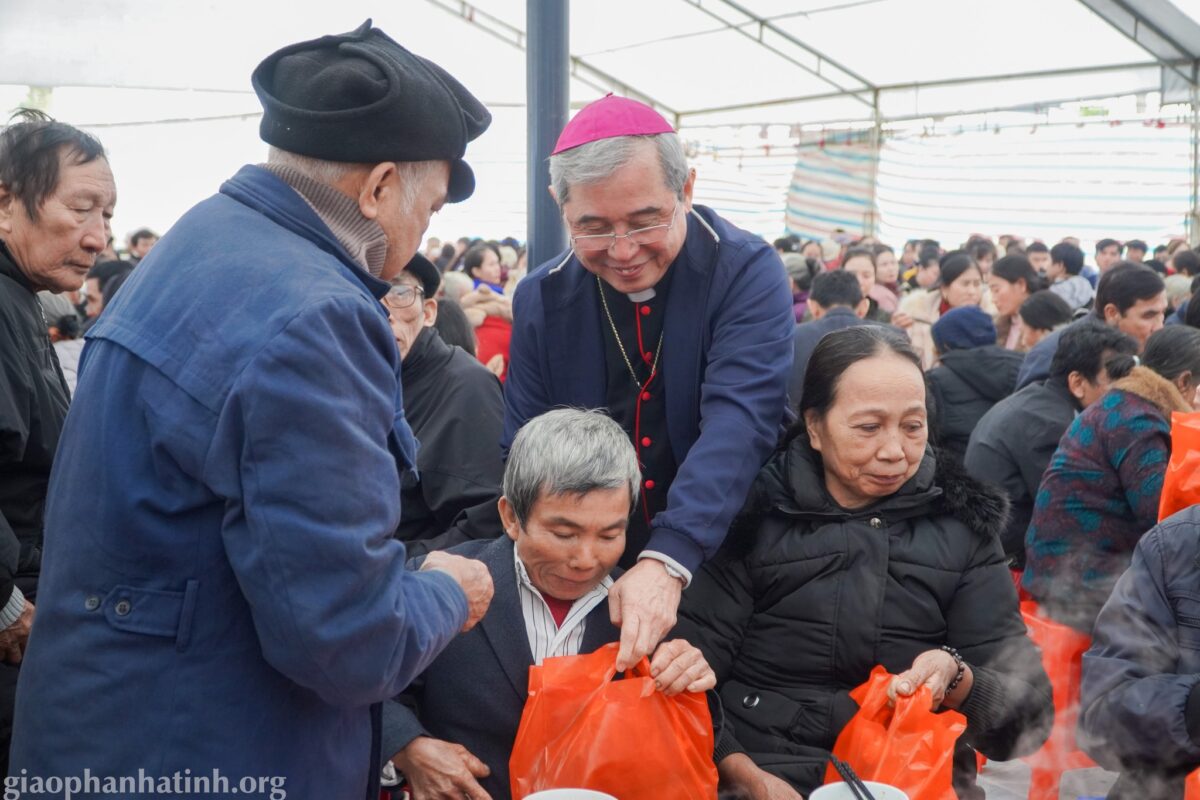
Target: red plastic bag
x,y
583,730
909,746
1181,483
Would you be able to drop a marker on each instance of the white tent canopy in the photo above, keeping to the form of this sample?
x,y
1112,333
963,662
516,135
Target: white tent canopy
x,y
705,63
703,60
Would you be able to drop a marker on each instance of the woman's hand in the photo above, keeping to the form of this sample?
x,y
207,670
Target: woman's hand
x,y
678,666
902,320
935,669
740,772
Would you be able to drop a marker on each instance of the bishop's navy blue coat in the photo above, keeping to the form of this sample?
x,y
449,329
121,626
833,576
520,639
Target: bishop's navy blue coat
x,y
220,587
727,355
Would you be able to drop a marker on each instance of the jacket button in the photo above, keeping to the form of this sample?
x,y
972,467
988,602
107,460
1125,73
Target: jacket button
x,y
750,701
91,603
876,523
123,608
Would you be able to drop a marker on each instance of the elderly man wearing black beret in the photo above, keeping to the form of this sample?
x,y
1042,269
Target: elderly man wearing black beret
x,y
227,606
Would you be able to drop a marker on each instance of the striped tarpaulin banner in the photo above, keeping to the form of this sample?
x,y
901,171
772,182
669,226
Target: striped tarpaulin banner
x,y
831,185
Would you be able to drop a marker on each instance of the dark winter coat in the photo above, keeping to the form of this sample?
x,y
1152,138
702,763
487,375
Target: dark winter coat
x,y
1011,447
33,405
965,386
1099,496
807,597
1140,700
456,410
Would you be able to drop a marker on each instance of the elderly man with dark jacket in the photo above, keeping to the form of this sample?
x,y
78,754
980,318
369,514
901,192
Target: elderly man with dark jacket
x,y
454,405
570,484
1140,697
220,571
56,197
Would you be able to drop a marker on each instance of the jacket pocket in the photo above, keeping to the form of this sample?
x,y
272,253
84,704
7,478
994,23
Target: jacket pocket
x,y
763,719
153,612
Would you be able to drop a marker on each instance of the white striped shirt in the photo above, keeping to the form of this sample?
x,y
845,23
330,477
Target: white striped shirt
x,y
546,638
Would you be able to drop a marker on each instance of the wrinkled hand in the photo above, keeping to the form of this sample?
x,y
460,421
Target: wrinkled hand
x,y
902,320
14,638
740,772
471,575
643,603
933,668
679,667
437,770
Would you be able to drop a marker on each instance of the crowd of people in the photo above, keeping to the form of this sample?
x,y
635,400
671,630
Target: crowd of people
x,y
319,497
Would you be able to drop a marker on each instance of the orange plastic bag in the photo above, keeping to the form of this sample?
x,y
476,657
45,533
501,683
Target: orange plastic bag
x,y
583,730
1191,788
1181,483
908,746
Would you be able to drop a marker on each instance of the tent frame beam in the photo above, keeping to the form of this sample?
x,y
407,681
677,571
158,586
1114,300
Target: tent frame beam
x,y
1141,22
580,69
1050,73
763,25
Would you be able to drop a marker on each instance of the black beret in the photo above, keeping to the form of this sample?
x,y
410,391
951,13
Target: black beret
x,y
423,270
361,97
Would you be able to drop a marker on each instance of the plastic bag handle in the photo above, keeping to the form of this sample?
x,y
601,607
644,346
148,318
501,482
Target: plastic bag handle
x,y
639,670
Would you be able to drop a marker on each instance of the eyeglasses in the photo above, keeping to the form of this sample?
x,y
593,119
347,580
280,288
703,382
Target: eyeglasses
x,y
642,236
402,296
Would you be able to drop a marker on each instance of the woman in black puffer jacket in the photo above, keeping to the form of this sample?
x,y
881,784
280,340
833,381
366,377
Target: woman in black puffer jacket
x,y
859,547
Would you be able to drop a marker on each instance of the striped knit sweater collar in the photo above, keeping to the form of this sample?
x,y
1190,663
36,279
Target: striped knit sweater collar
x,y
363,238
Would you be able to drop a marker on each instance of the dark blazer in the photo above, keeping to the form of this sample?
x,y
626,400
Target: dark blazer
x,y
726,359
805,340
474,692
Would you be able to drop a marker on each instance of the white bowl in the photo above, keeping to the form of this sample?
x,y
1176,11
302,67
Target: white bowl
x,y
572,794
842,791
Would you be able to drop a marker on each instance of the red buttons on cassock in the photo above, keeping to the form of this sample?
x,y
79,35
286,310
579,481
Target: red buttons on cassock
x,y
648,357
649,484
645,396
645,441
645,311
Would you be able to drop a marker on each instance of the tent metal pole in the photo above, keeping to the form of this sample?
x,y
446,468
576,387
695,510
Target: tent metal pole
x,y
547,86
1193,220
872,221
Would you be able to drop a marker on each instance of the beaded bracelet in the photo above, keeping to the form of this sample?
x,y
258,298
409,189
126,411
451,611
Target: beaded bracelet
x,y
962,668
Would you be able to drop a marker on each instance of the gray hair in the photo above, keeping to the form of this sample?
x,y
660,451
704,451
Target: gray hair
x,y
412,173
568,451
456,285
597,160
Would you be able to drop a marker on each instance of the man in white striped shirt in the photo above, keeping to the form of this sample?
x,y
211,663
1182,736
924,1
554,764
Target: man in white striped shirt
x,y
569,486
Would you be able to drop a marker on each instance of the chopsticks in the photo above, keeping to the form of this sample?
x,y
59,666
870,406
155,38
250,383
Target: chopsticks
x,y
851,778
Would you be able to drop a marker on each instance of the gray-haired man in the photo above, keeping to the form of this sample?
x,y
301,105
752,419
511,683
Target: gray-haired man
x,y
677,323
570,483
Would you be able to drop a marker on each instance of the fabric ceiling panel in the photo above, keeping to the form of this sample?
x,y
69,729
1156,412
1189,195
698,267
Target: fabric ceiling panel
x,y
884,43
709,70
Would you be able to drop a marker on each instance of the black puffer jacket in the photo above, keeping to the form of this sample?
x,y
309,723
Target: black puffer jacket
x,y
806,598
965,387
33,406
